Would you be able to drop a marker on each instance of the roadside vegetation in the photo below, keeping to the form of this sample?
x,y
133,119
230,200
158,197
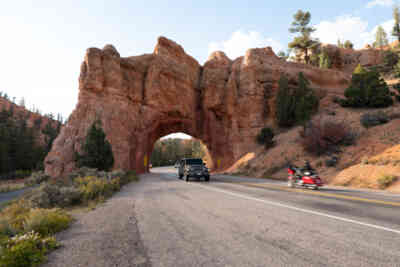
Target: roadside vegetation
x,y
28,225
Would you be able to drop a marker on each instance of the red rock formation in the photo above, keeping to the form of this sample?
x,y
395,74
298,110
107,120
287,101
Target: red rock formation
x,y
346,60
139,99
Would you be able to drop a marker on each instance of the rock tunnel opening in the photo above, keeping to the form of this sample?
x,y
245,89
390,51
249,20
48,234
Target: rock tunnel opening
x,y
169,149
165,144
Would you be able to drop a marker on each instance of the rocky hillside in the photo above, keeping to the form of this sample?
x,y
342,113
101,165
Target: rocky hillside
x,y
25,139
33,120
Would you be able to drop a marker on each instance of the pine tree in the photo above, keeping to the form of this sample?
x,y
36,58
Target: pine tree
x,y
380,37
396,27
97,152
340,44
294,104
304,42
324,61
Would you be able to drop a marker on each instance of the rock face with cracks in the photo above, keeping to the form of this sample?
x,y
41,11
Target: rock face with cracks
x,y
139,99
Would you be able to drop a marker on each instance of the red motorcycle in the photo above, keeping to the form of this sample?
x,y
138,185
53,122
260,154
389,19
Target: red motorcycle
x,y
303,178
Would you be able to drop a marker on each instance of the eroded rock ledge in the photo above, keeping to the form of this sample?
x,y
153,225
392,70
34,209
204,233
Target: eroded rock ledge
x,y
139,99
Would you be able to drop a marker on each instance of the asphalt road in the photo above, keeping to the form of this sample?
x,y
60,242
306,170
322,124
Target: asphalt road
x,y
234,221
8,196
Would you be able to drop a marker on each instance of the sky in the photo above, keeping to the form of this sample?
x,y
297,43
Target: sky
x,y
43,42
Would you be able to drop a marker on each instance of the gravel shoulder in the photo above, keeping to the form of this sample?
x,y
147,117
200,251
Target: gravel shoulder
x,y
107,236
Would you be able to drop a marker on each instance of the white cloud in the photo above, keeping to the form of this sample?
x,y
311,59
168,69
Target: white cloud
x,y
350,28
240,41
373,3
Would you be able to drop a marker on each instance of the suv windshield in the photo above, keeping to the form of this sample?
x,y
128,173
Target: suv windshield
x,y
194,161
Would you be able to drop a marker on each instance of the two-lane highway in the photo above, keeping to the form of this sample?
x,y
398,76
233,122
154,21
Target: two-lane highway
x,y
231,221
250,222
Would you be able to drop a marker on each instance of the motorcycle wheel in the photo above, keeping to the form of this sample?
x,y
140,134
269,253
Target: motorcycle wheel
x,y
290,183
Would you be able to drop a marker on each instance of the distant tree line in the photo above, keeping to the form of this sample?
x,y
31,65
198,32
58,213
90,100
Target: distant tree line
x,y
32,109
20,149
168,151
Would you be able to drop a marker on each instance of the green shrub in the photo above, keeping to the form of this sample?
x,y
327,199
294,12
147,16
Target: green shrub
x,y
93,188
26,250
266,137
47,221
295,104
367,89
97,152
386,180
49,196
373,119
37,178
15,214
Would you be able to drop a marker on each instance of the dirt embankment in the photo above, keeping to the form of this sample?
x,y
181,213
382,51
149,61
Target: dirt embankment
x,y
349,170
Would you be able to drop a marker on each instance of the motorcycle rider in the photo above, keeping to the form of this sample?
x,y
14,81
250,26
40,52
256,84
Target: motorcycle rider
x,y
307,166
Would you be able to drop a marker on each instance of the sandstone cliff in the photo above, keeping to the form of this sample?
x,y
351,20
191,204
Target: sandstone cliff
x,y
346,60
139,99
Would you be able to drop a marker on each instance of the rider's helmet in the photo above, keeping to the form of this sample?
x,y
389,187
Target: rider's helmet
x,y
307,164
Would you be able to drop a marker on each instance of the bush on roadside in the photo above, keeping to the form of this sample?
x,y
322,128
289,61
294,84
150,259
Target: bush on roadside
x,y
49,196
386,180
129,176
37,178
266,137
14,215
26,250
47,221
373,119
325,137
93,188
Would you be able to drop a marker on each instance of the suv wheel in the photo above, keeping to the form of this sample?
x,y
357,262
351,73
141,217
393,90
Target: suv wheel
x,y
180,176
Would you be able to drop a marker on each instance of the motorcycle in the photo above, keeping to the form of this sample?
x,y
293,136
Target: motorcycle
x,y
303,178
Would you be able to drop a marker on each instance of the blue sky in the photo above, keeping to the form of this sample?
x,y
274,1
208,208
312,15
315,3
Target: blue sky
x,y
43,42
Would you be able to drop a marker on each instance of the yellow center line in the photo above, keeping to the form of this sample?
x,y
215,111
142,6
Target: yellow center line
x,y
270,186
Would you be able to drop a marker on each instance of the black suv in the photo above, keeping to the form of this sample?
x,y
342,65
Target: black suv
x,y
192,168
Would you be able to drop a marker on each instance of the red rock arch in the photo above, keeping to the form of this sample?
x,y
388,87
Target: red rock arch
x,y
140,99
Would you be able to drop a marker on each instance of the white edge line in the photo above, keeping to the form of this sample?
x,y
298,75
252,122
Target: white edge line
x,y
300,209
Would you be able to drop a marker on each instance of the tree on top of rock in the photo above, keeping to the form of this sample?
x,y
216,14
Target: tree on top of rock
x,y
396,27
304,42
380,37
